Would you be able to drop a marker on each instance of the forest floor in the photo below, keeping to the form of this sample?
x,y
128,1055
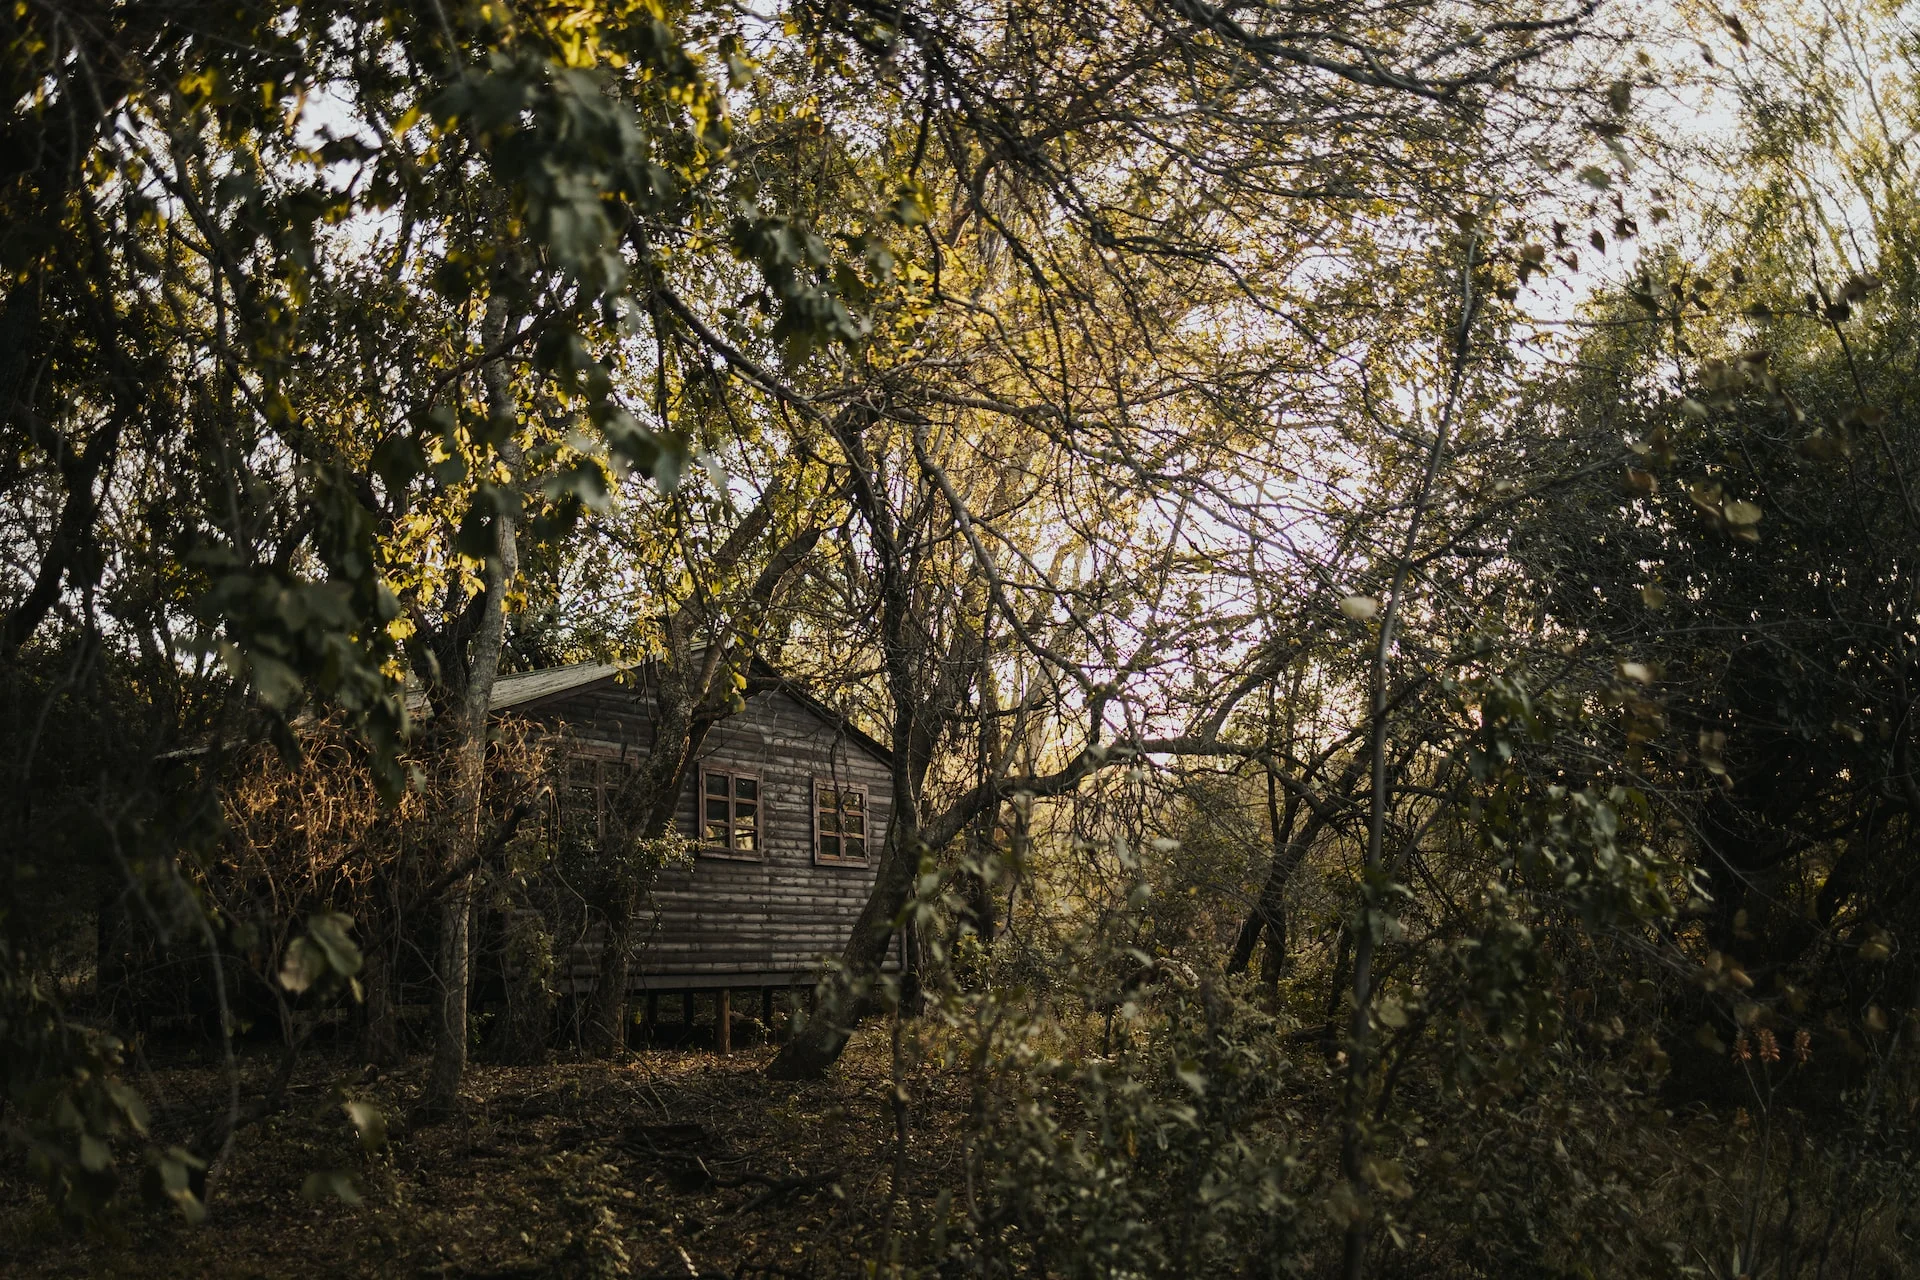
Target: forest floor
x,y
671,1162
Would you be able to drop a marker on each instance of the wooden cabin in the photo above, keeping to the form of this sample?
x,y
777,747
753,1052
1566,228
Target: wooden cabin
x,y
787,804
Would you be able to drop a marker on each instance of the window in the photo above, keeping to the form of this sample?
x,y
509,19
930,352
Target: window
x,y
585,796
839,822
729,814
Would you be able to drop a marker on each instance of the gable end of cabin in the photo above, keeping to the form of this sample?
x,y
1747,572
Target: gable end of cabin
x,y
786,805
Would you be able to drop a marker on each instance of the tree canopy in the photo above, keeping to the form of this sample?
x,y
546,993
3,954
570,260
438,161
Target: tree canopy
x,y
1375,533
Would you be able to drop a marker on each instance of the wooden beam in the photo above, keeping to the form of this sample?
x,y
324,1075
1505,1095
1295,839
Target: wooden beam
x,y
723,1021
686,1008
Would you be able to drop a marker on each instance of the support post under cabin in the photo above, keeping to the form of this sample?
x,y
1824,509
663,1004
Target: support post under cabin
x,y
686,1008
723,1021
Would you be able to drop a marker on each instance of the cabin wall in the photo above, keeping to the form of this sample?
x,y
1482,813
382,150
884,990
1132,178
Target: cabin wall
x,y
762,922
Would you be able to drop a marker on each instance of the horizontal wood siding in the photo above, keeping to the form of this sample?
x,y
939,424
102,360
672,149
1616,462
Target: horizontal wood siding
x,y
780,914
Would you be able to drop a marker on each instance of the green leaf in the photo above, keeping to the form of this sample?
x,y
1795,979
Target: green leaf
x,y
398,460
329,1182
277,684
369,1122
95,1155
169,1179
326,951
304,965
329,930
910,208
582,480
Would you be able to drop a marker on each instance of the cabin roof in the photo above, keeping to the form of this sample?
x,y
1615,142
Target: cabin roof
x,y
511,691
533,686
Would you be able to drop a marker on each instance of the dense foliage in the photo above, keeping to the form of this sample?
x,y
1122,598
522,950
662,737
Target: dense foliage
x,y
1382,538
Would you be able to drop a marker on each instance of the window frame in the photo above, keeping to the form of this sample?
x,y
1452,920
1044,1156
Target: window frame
x,y
820,856
729,850
590,772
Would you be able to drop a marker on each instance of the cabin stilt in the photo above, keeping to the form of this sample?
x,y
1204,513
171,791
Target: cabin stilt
x,y
723,1021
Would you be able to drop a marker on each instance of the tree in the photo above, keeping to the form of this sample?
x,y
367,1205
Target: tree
x,y
1085,272
220,222
1750,570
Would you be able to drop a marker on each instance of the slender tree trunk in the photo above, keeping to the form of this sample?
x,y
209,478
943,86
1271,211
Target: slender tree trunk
x,y
645,806
379,1027
450,1024
1342,964
1269,915
912,973
470,759
676,739
1268,919
979,910
818,1043
922,708
607,1016
1360,1047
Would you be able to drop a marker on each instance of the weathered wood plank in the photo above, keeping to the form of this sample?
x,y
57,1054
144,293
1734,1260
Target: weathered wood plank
x,y
777,914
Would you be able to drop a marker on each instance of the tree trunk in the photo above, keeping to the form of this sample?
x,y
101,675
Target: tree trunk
x,y
380,1024
1269,915
1268,918
470,754
450,1023
69,554
1343,957
979,909
1360,1047
683,709
607,1013
845,992
912,972
922,709
652,805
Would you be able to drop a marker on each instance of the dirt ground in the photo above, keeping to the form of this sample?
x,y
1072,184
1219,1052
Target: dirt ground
x,y
670,1163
